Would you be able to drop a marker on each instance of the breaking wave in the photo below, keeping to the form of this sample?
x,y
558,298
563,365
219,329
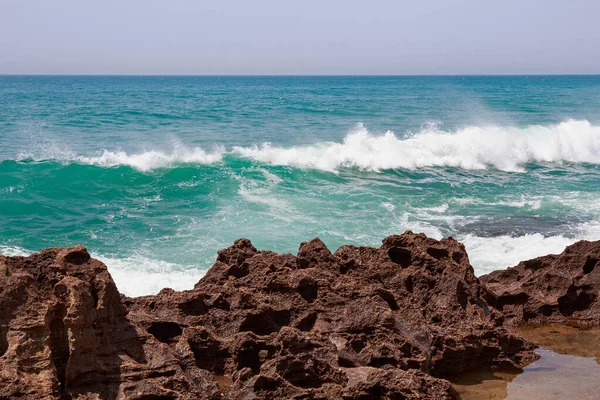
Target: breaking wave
x,y
504,148
472,148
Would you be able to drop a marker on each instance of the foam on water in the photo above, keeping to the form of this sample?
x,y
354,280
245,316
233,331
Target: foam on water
x,y
155,175
505,148
138,275
13,251
474,147
153,159
261,192
492,253
144,161
533,203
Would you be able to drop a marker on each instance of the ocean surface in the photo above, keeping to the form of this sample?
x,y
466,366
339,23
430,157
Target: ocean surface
x,y
155,174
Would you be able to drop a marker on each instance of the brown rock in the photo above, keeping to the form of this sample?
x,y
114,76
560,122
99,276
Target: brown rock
x,y
362,323
65,334
285,326
554,289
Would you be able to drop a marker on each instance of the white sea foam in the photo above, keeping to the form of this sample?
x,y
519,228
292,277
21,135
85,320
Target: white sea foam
x,y
150,160
12,251
586,202
475,147
138,275
262,192
439,209
532,202
506,148
388,206
492,253
143,161
417,226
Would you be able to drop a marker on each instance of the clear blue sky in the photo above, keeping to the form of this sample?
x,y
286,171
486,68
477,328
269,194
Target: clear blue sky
x,y
299,37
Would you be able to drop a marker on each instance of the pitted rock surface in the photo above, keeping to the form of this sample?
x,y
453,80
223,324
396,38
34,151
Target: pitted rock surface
x,y
554,289
362,323
64,333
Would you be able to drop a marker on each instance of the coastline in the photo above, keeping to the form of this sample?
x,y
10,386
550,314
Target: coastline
x,y
401,318
154,175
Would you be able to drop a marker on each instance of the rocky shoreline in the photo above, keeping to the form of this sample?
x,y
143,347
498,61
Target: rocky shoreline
x,y
392,322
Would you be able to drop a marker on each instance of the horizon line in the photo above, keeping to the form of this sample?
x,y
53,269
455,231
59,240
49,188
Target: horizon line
x,y
301,75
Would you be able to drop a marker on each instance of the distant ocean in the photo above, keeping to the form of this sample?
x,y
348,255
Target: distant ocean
x,y
155,174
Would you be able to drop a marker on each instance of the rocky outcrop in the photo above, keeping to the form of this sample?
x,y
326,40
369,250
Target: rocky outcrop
x,y
362,323
554,289
64,333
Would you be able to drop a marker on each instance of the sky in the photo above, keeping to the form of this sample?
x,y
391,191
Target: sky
x,y
310,37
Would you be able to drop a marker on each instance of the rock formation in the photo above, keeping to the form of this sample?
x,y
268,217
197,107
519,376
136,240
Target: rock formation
x,y
554,289
64,333
362,323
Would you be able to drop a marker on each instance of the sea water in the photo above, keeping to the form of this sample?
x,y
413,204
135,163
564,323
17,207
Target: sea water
x,y
156,174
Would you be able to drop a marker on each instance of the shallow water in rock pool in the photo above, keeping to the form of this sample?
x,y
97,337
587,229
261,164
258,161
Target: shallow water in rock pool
x,y
568,369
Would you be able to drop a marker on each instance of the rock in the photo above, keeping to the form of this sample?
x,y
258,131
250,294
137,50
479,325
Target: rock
x,y
554,289
307,325
65,334
361,323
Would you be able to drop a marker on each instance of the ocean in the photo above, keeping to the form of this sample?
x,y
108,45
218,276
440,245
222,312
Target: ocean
x,y
156,174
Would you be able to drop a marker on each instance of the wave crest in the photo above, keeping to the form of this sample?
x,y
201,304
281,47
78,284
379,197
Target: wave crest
x,y
504,148
150,160
144,161
471,148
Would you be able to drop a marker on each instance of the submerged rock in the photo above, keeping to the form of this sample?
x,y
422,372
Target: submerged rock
x,y
362,323
554,289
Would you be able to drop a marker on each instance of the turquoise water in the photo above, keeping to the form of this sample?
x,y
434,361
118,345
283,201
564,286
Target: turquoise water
x,y
155,174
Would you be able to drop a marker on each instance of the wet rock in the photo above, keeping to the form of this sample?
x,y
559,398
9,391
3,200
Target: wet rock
x,y
554,289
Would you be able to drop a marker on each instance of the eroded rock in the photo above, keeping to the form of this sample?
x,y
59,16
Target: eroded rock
x,y
554,289
361,323
311,325
65,334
